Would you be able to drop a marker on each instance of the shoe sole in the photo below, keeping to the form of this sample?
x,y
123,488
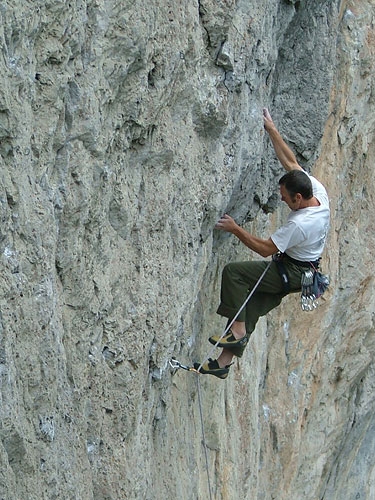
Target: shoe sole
x,y
229,345
221,373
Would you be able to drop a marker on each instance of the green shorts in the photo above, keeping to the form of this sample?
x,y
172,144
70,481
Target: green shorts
x,y
239,279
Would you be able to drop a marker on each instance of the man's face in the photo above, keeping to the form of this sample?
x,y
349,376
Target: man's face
x,y
293,203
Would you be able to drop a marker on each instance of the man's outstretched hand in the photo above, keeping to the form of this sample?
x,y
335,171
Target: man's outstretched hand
x,y
283,152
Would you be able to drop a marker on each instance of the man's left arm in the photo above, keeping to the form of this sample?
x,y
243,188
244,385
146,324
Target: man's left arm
x,y
265,248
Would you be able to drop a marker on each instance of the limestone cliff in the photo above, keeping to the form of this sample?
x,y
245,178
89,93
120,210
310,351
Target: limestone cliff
x,y
126,129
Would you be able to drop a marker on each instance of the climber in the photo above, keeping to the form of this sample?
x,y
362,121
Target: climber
x,y
296,245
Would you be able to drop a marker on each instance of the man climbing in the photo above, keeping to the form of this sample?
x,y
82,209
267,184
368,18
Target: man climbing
x,y
300,242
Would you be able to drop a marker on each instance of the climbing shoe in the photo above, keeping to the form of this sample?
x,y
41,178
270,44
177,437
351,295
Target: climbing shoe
x,y
229,341
211,367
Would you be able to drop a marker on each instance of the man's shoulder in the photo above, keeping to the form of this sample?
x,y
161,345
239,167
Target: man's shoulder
x,y
319,190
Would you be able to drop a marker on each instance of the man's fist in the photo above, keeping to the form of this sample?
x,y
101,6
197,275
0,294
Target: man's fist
x,y
267,119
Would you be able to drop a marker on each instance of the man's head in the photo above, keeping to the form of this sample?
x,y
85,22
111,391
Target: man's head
x,y
296,189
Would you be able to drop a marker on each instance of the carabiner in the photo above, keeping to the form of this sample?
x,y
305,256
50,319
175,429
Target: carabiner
x,y
176,364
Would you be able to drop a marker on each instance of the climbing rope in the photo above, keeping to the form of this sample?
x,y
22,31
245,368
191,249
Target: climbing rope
x,y
203,436
176,365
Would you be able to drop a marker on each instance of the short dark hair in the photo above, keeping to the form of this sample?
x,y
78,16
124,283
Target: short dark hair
x,y
297,181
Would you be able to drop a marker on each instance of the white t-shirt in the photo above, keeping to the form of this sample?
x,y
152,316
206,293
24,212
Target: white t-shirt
x,y
304,235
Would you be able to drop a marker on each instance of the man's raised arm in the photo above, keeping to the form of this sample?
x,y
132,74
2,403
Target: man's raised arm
x,y
282,150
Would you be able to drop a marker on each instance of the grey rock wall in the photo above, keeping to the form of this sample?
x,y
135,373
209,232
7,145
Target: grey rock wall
x,y
126,130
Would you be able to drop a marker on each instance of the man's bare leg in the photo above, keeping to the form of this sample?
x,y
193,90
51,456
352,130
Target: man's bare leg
x,y
225,358
239,331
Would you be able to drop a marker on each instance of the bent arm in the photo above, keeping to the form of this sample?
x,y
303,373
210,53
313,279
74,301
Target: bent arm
x,y
265,248
282,150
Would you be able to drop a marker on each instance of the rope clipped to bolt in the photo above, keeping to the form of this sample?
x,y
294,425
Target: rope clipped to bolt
x,y
175,364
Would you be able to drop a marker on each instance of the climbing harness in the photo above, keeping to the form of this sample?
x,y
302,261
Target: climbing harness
x,y
278,260
313,282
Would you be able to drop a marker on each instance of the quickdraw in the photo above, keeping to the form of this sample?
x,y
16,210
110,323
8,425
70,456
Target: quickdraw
x,y
176,365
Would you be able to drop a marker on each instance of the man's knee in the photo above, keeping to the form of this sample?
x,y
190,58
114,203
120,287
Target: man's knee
x,y
228,267
231,269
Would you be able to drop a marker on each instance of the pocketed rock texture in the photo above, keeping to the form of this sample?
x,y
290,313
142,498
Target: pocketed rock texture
x,y
126,129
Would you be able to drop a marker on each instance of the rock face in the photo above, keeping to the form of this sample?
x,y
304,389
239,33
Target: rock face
x,y
126,129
